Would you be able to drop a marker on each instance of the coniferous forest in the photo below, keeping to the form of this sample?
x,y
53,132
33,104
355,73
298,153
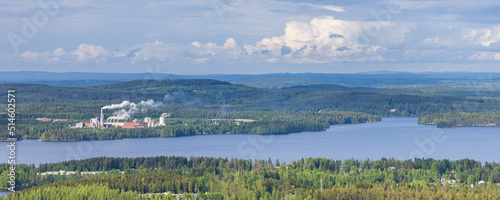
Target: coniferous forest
x,y
222,178
200,107
446,120
195,104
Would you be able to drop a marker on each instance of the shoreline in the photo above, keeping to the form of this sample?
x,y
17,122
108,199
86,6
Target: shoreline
x,y
195,134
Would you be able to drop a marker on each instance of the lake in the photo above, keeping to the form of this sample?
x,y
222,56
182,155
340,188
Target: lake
x,y
400,138
4,193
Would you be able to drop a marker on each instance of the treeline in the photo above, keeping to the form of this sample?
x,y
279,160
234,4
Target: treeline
x,y
312,178
187,123
447,120
209,99
271,127
80,192
87,190
461,168
38,100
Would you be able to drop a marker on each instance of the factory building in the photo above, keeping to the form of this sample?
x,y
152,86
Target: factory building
x,y
99,122
82,125
94,123
135,125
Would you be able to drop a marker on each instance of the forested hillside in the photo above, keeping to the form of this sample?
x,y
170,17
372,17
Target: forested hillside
x,y
193,103
222,178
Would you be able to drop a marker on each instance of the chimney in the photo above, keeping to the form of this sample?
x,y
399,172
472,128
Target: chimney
x,y
102,119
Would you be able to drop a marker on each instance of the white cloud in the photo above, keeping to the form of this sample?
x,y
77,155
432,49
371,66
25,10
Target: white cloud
x,y
437,42
196,52
196,44
59,52
48,56
56,55
230,43
484,37
321,40
485,55
157,50
87,52
230,52
334,8
30,56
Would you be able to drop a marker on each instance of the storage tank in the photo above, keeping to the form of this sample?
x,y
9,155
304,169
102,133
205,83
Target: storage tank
x,y
162,121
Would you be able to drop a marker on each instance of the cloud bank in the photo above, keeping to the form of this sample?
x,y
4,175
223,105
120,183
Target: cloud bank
x,y
197,35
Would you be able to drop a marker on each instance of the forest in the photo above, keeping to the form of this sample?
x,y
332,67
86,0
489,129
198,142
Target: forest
x,y
461,119
194,102
223,178
199,122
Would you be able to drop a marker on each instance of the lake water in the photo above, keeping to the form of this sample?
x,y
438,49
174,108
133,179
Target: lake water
x,y
400,138
4,193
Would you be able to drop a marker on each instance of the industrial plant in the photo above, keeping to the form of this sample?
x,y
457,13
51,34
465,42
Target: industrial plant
x,y
99,122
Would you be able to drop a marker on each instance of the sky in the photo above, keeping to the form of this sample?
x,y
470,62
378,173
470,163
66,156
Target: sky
x,y
249,36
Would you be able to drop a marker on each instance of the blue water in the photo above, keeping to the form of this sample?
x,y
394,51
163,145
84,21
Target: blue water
x,y
400,138
4,193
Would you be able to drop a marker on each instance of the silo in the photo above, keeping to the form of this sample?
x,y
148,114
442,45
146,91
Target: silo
x,y
162,121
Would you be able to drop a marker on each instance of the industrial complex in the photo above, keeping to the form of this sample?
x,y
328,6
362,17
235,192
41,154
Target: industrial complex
x,y
99,122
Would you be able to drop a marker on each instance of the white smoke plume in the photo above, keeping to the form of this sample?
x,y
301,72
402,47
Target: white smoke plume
x,y
115,106
129,108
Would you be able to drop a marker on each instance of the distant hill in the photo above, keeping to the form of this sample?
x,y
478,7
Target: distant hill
x,y
445,79
33,76
277,80
74,83
318,88
143,84
193,99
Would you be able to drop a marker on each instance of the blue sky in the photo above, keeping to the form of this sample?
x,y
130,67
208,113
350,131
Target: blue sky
x,y
252,37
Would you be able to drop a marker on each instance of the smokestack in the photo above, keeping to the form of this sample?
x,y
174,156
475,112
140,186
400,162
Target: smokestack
x,y
102,119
